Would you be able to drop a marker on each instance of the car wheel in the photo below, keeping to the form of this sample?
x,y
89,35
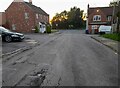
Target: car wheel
x,y
8,39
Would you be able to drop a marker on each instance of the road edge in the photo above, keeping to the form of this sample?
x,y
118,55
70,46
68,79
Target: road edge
x,y
104,44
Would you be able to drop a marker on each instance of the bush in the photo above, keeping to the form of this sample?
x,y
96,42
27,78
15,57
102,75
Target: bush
x,y
48,29
36,29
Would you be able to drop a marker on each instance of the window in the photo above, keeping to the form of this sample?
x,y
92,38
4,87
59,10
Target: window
x,y
36,16
26,16
13,27
97,18
94,27
40,16
46,18
109,18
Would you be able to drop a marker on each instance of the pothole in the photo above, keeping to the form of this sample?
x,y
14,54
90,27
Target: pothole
x,y
34,78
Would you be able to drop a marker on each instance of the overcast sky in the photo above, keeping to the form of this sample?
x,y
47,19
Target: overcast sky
x,y
56,6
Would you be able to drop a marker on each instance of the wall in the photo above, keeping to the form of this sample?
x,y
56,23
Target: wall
x,y
94,12
16,17
2,18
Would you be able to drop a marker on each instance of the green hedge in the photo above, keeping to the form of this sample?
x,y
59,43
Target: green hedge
x,y
48,29
36,29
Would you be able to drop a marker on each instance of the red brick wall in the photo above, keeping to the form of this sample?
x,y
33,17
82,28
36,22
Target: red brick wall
x,y
41,18
2,18
16,15
103,16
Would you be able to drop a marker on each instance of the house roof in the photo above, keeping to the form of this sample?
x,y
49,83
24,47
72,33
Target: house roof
x,y
36,9
106,10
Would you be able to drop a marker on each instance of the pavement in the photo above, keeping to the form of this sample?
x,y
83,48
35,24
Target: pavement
x,y
114,45
71,58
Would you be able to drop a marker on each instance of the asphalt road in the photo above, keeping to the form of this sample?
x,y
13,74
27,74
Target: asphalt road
x,y
71,58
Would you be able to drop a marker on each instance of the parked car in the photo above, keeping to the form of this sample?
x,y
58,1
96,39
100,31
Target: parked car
x,y
105,29
9,36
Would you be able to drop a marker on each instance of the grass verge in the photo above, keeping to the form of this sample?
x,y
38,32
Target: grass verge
x,y
115,36
53,31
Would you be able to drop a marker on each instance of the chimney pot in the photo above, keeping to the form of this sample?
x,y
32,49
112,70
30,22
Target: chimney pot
x,y
18,1
30,1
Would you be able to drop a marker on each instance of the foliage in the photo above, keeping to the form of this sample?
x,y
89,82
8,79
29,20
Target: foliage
x,y
113,4
115,36
36,29
48,29
72,19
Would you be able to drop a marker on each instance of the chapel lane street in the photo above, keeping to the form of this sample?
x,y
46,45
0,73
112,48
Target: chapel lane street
x,y
70,58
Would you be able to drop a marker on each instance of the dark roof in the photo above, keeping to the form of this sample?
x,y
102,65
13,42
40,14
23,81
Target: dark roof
x,y
36,9
106,10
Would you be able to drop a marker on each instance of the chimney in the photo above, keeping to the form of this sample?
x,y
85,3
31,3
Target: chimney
x,y
30,1
18,1
88,6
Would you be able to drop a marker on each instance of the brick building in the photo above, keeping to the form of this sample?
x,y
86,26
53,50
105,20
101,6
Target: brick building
x,y
97,16
24,16
2,19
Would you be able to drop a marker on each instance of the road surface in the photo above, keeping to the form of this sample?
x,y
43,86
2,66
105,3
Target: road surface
x,y
71,58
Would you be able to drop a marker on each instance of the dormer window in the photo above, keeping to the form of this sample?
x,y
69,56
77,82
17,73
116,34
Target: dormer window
x,y
97,18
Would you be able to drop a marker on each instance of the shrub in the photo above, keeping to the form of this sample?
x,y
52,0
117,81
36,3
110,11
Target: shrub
x,y
48,29
36,29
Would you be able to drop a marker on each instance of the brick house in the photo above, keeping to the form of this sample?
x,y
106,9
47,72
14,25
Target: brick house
x,y
24,16
2,19
97,16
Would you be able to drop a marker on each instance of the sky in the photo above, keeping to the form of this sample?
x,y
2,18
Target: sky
x,y
56,6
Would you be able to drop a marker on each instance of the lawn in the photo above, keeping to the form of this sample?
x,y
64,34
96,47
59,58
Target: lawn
x,y
53,30
114,36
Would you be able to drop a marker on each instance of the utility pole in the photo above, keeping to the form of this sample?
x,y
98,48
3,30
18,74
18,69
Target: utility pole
x,y
87,19
113,24
118,18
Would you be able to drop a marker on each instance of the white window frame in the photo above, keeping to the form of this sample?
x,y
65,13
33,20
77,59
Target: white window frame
x,y
97,18
13,27
109,18
94,27
26,15
37,16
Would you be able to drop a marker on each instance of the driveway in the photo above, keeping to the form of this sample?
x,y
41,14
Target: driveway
x,y
30,40
71,58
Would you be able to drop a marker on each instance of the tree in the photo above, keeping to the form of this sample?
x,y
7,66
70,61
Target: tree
x,y
68,19
114,3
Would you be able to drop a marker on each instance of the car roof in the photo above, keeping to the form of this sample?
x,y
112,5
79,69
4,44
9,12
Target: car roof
x,y
2,27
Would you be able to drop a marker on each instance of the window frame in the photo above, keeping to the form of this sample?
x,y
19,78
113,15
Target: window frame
x,y
26,15
109,18
97,18
37,16
94,27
